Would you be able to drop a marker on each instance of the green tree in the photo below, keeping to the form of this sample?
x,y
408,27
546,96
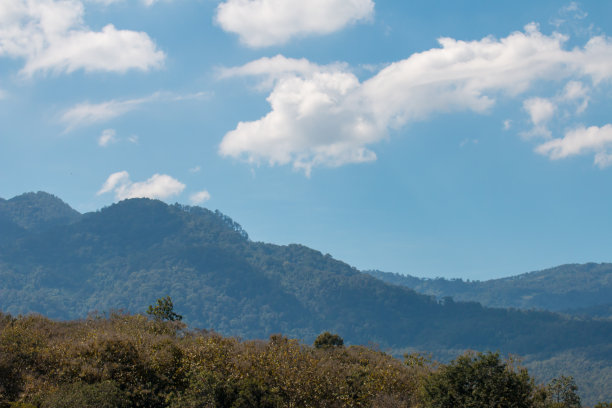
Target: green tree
x,y
478,380
164,310
563,392
328,340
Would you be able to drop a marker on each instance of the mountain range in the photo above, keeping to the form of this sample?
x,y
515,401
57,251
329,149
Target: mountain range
x,y
58,262
578,289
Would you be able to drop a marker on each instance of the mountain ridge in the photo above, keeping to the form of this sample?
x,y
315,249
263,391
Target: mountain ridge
x,y
126,255
570,288
142,248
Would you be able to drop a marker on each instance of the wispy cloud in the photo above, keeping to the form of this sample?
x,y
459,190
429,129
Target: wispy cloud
x,y
324,116
86,113
107,137
158,186
261,23
200,197
50,36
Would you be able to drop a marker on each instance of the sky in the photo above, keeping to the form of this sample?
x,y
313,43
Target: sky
x,y
467,139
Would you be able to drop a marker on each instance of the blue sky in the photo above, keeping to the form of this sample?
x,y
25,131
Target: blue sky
x,y
437,138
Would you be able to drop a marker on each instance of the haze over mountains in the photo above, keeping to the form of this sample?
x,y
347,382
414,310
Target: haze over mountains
x,y
63,264
576,289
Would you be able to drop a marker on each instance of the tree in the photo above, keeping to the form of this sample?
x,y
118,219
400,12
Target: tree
x,y
328,340
164,310
478,380
563,392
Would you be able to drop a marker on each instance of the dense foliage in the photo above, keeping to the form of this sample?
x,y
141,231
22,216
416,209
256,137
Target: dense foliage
x,y
584,290
137,250
131,361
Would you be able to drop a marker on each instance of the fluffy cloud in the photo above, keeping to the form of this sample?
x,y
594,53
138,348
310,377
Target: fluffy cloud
x,y
199,197
576,91
323,115
158,186
540,110
582,140
86,113
107,137
51,36
261,23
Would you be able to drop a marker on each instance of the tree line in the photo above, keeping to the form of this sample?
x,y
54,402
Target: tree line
x,y
154,360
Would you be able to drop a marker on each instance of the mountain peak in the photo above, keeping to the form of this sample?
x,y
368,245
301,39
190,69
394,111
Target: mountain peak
x,y
35,210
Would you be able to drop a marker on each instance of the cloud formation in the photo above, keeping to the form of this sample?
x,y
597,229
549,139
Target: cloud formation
x,y
199,197
158,186
86,113
324,116
261,23
52,37
107,137
582,140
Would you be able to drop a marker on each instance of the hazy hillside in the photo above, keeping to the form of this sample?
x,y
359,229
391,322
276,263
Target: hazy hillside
x,y
579,289
128,254
35,211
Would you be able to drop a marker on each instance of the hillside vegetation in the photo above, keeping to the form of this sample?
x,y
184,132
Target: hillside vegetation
x,y
132,361
579,289
124,255
139,249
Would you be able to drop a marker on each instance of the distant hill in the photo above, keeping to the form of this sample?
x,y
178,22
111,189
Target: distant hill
x,y
578,289
131,253
35,211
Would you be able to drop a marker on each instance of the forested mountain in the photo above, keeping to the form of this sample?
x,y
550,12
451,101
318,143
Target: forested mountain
x,y
65,265
35,211
578,289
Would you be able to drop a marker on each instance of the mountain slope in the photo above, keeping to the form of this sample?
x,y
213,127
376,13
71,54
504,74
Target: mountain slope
x,y
131,253
581,289
36,210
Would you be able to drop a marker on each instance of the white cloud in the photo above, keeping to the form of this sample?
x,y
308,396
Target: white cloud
x,y
51,36
107,137
540,111
86,113
199,197
568,13
603,159
133,139
579,141
195,169
261,23
324,116
158,186
507,124
576,91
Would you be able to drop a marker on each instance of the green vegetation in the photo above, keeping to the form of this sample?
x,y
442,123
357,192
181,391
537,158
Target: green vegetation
x,y
583,290
164,310
327,340
128,360
129,253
